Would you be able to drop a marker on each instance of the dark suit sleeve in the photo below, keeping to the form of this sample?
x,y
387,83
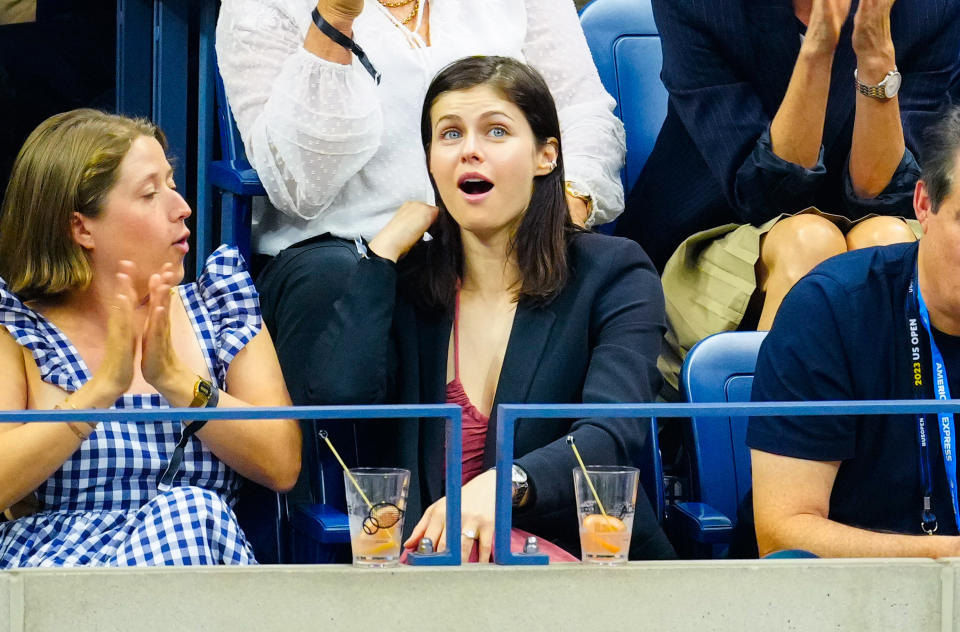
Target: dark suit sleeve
x,y
804,358
928,57
626,327
356,351
725,117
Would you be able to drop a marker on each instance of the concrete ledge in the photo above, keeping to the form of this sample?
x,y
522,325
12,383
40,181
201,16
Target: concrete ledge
x,y
723,595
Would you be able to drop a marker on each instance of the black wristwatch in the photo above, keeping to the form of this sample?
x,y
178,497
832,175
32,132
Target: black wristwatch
x,y
520,486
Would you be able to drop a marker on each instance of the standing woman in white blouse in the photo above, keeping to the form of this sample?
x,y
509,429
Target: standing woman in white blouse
x,y
339,152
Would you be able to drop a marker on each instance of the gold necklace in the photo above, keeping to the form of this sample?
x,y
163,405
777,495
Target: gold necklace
x,y
394,5
413,14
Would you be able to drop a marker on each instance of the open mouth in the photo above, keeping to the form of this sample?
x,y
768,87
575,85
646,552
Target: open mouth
x,y
474,184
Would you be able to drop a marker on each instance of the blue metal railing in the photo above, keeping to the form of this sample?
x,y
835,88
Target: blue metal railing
x,y
508,414
451,413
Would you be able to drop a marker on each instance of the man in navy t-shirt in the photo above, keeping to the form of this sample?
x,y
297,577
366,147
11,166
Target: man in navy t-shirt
x,y
853,486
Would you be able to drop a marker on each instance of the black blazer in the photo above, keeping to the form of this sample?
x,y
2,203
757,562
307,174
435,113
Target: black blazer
x,y
597,341
726,66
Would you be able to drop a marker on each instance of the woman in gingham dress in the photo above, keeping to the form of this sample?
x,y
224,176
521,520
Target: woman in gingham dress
x,y
92,241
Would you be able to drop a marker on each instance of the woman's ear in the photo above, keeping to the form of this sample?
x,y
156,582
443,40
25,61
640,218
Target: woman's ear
x,y
547,157
80,229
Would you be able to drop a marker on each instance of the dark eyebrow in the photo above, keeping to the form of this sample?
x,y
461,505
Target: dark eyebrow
x,y
496,113
445,117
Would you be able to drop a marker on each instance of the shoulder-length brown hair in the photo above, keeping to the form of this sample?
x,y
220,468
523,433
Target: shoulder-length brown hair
x,y
68,164
432,269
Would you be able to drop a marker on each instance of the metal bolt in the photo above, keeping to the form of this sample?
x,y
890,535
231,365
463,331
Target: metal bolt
x,y
425,547
531,545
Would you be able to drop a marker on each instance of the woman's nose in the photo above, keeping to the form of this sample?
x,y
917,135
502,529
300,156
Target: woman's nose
x,y
180,209
470,149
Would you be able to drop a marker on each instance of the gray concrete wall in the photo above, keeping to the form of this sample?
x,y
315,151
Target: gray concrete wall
x,y
916,595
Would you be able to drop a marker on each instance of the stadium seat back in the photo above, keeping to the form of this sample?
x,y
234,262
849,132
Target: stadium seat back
x,y
625,45
235,179
720,368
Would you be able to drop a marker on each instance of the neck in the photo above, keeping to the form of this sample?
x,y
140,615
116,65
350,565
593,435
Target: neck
x,y
94,304
943,309
487,268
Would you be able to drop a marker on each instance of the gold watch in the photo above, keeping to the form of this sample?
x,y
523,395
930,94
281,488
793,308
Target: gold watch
x,y
205,394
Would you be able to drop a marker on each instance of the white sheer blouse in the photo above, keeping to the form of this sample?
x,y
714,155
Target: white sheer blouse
x,y
339,154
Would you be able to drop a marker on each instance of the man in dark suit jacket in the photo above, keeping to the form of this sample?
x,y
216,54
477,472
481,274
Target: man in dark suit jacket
x,y
727,65
597,341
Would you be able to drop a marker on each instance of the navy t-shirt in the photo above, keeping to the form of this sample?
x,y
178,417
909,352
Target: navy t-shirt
x,y
841,334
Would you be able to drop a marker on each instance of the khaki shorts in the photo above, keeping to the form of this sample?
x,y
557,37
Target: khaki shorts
x,y
709,281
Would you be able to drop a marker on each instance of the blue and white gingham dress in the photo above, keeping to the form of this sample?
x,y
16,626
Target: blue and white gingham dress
x,y
102,508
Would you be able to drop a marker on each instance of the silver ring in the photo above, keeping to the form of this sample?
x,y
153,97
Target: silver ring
x,y
469,533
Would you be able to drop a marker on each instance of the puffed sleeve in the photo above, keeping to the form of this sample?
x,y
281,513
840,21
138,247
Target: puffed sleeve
x,y
229,297
308,124
593,138
56,358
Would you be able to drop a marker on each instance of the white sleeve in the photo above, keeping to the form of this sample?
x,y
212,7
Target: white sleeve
x,y
308,125
593,138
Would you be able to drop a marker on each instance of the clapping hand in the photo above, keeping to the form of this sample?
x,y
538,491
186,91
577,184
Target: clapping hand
x,y
826,21
159,361
116,369
871,31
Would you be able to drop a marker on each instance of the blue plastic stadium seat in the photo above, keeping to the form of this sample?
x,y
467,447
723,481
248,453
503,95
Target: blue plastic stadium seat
x,y
625,45
235,178
717,369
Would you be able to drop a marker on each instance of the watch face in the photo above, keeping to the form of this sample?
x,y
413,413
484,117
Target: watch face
x,y
892,84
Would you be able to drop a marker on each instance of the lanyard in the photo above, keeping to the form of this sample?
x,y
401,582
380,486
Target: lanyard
x,y
173,467
916,310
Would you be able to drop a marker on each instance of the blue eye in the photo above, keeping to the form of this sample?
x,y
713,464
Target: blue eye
x,y
450,134
498,132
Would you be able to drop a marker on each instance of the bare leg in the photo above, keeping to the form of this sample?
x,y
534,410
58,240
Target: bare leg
x,y
793,247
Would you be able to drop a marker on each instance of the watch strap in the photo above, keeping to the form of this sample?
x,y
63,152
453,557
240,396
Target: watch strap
x,y
878,91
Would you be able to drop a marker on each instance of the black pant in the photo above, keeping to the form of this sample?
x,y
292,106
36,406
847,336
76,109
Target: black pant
x,y
298,289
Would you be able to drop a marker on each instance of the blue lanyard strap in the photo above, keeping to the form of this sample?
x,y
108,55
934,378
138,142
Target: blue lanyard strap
x,y
917,309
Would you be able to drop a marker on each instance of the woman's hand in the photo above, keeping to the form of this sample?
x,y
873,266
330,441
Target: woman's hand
x,y
872,40
116,370
403,230
477,510
826,21
578,210
159,362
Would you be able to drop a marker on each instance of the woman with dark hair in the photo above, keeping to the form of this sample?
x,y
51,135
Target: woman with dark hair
x,y
506,301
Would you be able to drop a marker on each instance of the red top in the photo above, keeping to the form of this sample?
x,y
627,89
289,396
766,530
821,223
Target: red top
x,y
474,422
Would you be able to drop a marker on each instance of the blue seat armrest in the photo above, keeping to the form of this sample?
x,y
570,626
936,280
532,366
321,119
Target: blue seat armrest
x,y
321,523
701,523
235,176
